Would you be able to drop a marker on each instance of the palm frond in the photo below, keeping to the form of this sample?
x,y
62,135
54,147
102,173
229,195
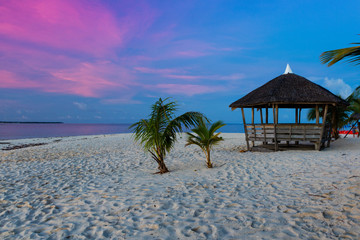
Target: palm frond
x,y
311,114
201,130
356,93
354,108
350,54
215,126
194,141
187,120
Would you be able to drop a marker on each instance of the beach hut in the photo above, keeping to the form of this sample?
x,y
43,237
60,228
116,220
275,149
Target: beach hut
x,y
290,91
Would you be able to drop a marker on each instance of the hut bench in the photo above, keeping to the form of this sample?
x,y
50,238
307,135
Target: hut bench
x,y
269,133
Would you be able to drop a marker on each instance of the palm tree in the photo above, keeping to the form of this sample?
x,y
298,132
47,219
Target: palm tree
x,y
354,108
351,54
342,114
205,138
158,133
338,120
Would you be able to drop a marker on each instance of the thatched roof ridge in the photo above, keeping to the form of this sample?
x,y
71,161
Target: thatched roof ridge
x,y
288,90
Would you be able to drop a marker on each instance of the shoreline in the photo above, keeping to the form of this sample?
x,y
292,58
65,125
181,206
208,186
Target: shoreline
x,y
7,143
25,131
103,186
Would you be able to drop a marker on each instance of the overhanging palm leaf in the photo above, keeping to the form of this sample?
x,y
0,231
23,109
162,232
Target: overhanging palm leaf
x,y
350,54
205,138
157,134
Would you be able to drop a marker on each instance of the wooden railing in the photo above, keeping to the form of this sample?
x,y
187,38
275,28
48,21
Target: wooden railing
x,y
268,133
261,132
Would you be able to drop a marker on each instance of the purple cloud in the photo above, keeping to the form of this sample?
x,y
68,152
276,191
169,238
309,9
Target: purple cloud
x,y
188,89
67,46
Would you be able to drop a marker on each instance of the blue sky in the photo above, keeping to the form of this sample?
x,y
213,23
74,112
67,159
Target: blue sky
x,y
107,62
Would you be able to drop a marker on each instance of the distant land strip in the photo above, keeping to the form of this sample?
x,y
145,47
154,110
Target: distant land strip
x,y
32,122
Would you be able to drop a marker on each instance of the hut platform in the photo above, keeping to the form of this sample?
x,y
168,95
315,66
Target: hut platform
x,y
283,147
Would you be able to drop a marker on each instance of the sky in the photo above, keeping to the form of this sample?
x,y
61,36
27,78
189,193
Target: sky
x,y
95,61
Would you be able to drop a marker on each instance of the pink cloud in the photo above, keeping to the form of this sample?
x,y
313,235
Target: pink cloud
x,y
123,100
80,25
11,80
43,45
84,79
192,53
90,80
194,49
188,89
34,69
171,73
235,76
185,77
157,71
85,48
166,34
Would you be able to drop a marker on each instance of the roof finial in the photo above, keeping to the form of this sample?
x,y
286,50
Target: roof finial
x,y
288,69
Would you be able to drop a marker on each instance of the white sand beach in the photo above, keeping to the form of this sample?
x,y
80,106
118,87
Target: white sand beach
x,y
103,187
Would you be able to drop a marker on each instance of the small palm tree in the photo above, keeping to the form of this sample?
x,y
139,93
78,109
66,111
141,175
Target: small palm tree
x,y
158,133
205,138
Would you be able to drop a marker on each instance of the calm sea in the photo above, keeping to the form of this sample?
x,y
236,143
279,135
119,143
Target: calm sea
x,y
20,131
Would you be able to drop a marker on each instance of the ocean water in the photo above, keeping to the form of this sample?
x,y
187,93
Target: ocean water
x,y
21,130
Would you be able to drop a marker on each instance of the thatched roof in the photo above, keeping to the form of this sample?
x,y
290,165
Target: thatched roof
x,y
288,91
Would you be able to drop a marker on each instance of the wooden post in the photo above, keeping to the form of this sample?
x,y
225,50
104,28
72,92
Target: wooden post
x,y
253,124
325,113
277,114
333,115
296,121
317,113
333,127
263,126
264,129
267,115
322,126
252,115
245,129
290,136
275,137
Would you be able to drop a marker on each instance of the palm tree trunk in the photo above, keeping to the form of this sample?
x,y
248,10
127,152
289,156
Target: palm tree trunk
x,y
336,132
160,161
334,123
208,162
162,167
